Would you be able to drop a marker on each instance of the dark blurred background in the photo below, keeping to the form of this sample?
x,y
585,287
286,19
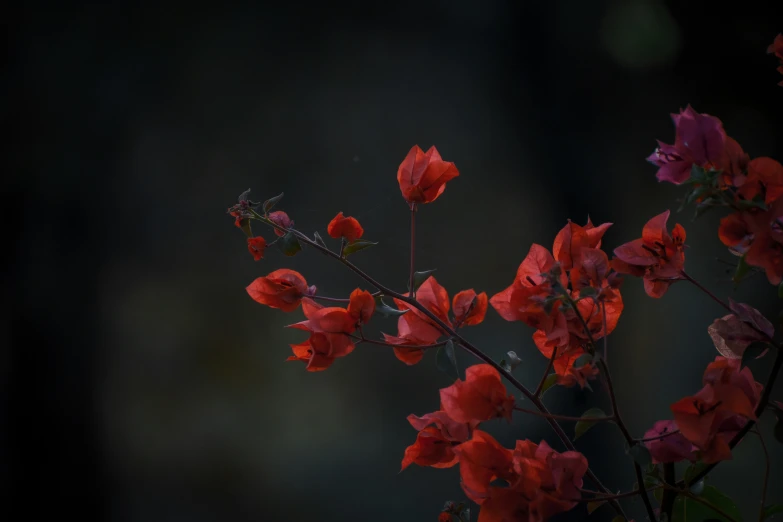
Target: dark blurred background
x,y
141,383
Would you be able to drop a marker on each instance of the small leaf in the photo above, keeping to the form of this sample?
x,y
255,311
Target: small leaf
x,y
689,510
386,310
698,487
420,277
319,240
356,246
742,270
583,359
464,515
288,244
744,204
778,433
754,351
550,381
505,365
270,203
447,360
587,291
771,510
640,454
244,224
697,193
593,505
585,424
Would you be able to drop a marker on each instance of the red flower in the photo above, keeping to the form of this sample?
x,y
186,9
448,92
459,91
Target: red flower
x,y
332,319
666,447
281,289
701,140
757,234
765,179
469,309
481,396
438,435
321,349
777,47
281,219
572,238
656,256
346,227
414,327
423,176
540,482
525,300
361,306
444,517
256,246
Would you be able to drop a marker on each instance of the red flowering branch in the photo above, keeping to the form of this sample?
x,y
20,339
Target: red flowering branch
x,y
659,437
453,334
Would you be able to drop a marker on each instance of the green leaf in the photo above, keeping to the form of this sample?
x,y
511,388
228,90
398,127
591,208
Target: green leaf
x,y
698,487
697,193
688,510
587,291
270,203
550,381
745,204
753,351
583,359
420,277
585,424
640,454
288,244
356,246
244,224
593,505
742,270
771,510
319,240
447,361
778,433
386,310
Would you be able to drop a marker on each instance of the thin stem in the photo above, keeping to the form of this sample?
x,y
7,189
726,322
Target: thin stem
x,y
337,299
766,474
615,410
561,417
411,292
703,289
540,387
601,496
466,345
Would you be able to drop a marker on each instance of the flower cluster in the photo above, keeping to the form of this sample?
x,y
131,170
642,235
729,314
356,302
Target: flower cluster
x,y
536,482
570,296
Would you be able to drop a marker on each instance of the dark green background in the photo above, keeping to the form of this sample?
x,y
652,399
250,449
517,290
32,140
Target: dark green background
x,y
142,384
